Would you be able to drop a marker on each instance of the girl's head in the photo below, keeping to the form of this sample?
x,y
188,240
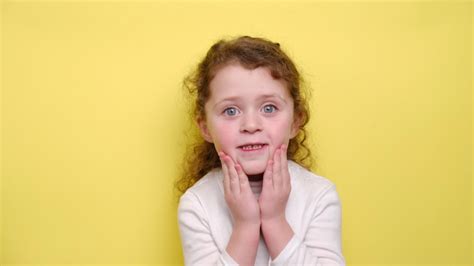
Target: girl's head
x,y
248,101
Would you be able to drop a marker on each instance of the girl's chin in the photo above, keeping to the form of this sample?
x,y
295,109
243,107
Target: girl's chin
x,y
253,166
252,171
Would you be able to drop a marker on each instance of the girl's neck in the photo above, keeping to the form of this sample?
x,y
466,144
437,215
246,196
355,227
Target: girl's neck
x,y
255,178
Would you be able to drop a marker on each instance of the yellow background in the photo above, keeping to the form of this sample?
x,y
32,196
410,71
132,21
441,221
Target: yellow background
x,y
93,122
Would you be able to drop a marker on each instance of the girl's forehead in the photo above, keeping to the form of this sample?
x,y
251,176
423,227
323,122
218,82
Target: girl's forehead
x,y
236,80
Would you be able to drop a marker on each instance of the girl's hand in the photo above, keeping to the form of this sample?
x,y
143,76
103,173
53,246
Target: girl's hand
x,y
276,188
238,194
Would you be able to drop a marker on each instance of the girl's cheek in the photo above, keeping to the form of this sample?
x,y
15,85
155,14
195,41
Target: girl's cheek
x,y
223,143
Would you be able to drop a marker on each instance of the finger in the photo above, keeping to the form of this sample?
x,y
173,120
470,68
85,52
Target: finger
x,y
277,170
284,166
243,179
225,170
234,177
267,176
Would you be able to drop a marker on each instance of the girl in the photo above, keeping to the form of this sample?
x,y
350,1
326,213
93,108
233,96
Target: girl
x,y
247,198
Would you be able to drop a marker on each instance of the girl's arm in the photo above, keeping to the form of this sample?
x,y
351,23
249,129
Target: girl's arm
x,y
198,243
276,189
243,243
321,244
199,246
322,241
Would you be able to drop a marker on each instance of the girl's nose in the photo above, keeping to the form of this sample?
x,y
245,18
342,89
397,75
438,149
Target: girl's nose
x,y
250,123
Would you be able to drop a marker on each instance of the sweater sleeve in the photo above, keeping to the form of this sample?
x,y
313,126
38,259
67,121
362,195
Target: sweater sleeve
x,y
321,245
199,246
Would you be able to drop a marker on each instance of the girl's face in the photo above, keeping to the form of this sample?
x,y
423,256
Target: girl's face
x,y
248,116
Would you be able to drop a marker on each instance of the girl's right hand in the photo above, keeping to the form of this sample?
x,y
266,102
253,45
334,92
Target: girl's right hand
x,y
238,194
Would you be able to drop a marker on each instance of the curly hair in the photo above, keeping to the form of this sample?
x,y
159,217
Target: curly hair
x,y
251,53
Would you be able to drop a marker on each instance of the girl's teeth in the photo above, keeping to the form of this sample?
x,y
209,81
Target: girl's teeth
x,y
252,147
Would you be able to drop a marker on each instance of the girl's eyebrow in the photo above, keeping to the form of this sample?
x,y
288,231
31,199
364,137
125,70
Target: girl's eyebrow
x,y
261,97
274,95
227,99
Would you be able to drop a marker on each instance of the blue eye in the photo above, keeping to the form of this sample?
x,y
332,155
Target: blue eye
x,y
231,111
269,108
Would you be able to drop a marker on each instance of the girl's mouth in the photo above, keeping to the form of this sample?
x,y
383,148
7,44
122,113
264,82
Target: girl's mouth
x,y
252,147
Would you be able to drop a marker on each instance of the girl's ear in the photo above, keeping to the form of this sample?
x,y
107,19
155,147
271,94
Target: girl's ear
x,y
204,130
295,126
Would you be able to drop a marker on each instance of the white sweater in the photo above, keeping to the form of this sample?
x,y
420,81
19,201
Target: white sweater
x,y
313,211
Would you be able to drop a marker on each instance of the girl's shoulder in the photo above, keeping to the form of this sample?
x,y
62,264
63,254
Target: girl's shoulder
x,y
304,180
206,196
208,180
208,185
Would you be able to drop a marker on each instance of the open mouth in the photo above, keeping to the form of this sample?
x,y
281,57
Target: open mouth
x,y
252,147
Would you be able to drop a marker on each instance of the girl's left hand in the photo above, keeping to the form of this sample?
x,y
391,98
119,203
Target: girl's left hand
x,y
276,187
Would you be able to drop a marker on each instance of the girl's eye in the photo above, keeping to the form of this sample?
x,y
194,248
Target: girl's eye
x,y
269,108
231,111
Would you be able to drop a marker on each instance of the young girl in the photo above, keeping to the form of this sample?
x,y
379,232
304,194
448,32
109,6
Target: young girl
x,y
247,198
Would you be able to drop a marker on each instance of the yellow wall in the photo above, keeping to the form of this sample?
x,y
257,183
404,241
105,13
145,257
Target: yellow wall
x,y
92,123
